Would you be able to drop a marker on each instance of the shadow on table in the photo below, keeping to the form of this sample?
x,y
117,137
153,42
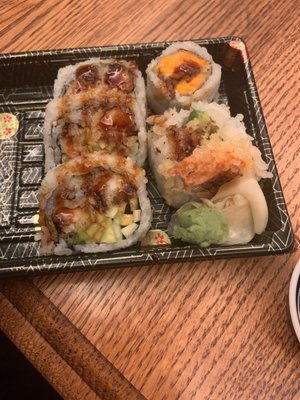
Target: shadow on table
x,y
18,378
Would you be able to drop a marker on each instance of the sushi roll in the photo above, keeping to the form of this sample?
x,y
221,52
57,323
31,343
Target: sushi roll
x,y
193,152
98,105
93,203
183,73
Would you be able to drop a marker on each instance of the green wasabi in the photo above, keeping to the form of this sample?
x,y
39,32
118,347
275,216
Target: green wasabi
x,y
203,226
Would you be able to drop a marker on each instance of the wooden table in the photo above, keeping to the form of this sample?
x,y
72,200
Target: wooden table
x,y
194,330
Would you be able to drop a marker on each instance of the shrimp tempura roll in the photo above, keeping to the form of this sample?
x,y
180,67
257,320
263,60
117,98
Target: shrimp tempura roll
x,y
193,152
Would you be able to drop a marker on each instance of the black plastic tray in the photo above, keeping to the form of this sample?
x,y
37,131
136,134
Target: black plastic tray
x,y
26,83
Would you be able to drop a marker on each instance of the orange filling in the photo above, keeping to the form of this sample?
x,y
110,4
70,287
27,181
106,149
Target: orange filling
x,y
187,71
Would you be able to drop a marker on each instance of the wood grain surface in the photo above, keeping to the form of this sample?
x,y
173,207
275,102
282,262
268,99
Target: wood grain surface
x,y
202,330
